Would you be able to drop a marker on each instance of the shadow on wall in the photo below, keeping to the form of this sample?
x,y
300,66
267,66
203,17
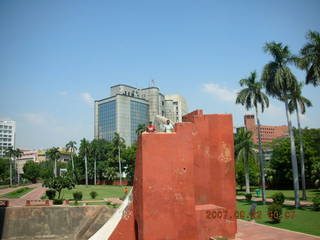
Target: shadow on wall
x,y
2,216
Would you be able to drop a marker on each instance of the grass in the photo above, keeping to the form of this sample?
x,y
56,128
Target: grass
x,y
17,193
104,191
303,220
4,186
289,194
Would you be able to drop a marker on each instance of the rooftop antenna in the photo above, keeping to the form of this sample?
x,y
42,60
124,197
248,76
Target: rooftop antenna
x,y
152,83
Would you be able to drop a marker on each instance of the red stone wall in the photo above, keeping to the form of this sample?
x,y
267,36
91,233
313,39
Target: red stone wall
x,y
182,180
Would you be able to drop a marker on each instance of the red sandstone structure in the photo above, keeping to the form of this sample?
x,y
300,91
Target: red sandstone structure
x,y
184,185
268,133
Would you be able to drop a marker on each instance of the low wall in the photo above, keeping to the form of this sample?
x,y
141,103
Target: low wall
x,y
52,223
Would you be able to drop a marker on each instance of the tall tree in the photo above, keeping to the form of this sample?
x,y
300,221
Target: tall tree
x,y
99,148
297,102
17,154
10,152
281,83
85,147
140,129
118,144
244,151
251,97
309,59
54,154
71,146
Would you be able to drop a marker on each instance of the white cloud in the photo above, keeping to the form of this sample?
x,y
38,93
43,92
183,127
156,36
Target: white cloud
x,y
87,98
221,93
36,118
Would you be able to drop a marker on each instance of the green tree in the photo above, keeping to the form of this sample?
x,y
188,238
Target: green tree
x,y
140,129
71,146
281,83
54,154
129,157
99,148
298,103
280,165
118,145
4,170
85,149
251,97
10,153
18,153
59,183
31,171
244,151
309,59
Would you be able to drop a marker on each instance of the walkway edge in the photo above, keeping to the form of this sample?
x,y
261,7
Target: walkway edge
x,y
107,229
283,229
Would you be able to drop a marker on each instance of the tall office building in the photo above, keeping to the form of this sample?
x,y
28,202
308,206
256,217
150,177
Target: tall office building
x,y
127,107
7,136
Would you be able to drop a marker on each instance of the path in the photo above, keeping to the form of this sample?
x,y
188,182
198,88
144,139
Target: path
x,y
35,194
254,231
7,190
286,202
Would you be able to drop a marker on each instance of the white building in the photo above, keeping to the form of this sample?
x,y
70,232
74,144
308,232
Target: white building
x,y
176,107
127,107
7,136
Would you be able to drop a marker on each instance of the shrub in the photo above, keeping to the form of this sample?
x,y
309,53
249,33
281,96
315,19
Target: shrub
x,y
51,194
316,202
278,198
57,201
274,212
77,196
248,196
93,194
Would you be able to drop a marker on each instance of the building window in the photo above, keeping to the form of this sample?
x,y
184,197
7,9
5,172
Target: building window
x,y
138,115
107,120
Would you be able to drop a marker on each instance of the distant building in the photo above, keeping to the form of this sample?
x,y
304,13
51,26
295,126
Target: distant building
x,y
7,136
176,107
39,156
127,107
268,133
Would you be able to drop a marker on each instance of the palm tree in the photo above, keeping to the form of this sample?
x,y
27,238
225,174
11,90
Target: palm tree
x,y
98,150
309,59
298,101
250,97
85,144
118,143
10,152
71,146
140,129
18,153
280,82
54,154
244,150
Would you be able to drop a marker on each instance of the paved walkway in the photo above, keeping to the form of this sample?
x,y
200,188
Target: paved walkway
x,y
254,231
35,194
287,202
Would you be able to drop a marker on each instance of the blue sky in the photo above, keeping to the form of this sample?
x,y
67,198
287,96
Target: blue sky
x,y
57,56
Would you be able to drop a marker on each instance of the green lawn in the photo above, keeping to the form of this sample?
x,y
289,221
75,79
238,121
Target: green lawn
x,y
4,186
301,220
104,191
289,194
17,193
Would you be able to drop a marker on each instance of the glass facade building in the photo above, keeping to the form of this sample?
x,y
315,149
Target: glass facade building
x,y
128,107
139,114
107,121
